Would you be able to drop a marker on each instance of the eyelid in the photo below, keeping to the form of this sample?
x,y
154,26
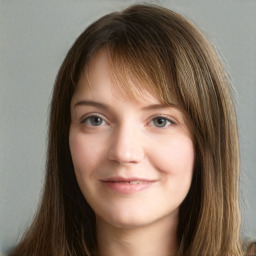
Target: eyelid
x,y
170,121
83,118
167,117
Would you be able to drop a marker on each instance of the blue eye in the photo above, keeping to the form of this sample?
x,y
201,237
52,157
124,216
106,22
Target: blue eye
x,y
93,121
161,122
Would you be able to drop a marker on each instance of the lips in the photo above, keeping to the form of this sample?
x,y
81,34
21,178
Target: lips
x,y
135,182
132,182
126,179
128,185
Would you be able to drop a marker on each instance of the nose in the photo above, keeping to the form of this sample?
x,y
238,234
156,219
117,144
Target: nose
x,y
125,146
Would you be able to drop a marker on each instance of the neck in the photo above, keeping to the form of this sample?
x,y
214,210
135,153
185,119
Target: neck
x,y
158,238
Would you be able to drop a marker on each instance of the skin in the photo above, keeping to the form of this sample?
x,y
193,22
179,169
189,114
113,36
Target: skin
x,y
130,138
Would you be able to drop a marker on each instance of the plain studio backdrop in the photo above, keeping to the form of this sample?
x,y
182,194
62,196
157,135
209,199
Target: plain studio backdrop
x,y
36,35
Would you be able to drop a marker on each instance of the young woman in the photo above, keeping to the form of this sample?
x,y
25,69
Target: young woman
x,y
143,155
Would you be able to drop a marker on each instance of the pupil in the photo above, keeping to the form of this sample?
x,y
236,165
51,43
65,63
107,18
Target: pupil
x,y
96,120
160,122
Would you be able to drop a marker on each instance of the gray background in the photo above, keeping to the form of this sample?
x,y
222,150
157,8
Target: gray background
x,y
35,36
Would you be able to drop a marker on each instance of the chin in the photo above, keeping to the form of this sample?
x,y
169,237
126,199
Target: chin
x,y
128,223
127,220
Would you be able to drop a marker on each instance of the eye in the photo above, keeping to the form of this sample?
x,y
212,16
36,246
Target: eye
x,y
161,122
93,121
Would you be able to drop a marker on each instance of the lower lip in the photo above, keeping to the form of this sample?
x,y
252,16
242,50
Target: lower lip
x,y
126,188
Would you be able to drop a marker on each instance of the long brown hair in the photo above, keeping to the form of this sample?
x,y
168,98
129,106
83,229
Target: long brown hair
x,y
167,55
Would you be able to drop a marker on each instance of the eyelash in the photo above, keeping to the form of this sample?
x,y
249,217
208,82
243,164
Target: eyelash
x,y
167,119
83,121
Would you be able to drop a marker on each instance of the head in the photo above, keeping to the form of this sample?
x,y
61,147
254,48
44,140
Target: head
x,y
154,50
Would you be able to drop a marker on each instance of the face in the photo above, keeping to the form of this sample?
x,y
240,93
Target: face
x,y
133,159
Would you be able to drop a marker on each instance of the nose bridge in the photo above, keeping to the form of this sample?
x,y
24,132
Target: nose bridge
x,y
126,144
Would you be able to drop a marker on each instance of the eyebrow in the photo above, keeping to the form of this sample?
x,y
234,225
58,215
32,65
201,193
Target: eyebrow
x,y
91,103
107,107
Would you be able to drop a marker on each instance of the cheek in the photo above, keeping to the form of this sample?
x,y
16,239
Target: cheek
x,y
174,156
174,159
85,155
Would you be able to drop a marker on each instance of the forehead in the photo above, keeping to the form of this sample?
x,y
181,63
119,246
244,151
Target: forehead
x,y
98,81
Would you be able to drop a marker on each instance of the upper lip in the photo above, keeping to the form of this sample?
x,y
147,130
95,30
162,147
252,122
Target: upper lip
x,y
126,179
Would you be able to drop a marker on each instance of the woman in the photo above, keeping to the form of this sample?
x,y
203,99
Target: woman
x,y
143,155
